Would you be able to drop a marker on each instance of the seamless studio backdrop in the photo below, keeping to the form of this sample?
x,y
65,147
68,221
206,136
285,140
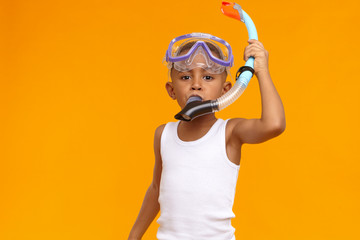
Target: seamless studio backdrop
x,y
82,89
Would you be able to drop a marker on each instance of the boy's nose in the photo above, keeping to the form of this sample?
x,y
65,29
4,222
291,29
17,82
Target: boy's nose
x,y
196,84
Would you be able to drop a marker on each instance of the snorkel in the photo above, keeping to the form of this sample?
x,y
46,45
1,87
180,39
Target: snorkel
x,y
195,106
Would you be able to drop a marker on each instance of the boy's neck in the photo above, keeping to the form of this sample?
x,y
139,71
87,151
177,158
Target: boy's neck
x,y
201,121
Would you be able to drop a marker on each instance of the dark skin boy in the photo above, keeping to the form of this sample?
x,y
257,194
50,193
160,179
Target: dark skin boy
x,y
238,130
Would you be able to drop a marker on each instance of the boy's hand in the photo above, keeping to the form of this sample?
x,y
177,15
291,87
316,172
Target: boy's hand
x,y
256,49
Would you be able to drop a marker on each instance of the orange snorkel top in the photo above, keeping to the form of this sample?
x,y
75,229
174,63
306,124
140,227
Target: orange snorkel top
x,y
228,8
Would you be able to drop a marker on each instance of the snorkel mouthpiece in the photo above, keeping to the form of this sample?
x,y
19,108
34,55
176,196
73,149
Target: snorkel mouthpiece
x,y
195,108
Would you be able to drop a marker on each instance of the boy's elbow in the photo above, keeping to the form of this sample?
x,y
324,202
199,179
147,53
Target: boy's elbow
x,y
279,128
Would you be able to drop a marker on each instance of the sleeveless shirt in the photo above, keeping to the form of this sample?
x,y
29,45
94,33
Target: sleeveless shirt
x,y
197,186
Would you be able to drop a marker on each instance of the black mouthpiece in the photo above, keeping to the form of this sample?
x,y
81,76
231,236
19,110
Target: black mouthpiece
x,y
196,108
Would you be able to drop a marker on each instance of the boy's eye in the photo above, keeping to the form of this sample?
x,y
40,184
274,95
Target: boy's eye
x,y
185,77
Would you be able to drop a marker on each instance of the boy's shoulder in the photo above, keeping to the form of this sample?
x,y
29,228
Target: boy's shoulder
x,y
161,127
159,130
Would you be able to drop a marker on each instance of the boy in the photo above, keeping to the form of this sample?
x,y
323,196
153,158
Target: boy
x,y
197,161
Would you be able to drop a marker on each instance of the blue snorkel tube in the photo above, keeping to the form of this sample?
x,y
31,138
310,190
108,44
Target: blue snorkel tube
x,y
243,75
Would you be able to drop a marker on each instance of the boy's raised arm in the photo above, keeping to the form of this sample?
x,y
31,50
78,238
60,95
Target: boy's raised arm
x,y
272,122
150,206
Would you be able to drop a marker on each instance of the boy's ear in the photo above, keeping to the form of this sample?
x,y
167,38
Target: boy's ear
x,y
226,87
170,89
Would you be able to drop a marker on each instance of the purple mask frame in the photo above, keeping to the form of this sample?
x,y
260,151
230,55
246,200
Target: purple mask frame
x,y
227,63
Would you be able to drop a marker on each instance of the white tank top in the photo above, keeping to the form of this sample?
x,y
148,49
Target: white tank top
x,y
197,187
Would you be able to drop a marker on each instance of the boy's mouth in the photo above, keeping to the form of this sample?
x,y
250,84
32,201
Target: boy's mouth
x,y
194,98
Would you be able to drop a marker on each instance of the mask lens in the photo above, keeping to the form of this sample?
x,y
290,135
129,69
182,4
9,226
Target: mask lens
x,y
217,49
199,57
199,50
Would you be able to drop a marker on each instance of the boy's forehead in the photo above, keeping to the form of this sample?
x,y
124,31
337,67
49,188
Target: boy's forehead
x,y
175,73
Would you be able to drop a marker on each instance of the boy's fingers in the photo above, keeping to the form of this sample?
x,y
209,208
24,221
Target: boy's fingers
x,y
249,53
253,46
257,44
254,41
254,51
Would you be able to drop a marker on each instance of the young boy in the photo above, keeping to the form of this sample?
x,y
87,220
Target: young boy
x,y
197,161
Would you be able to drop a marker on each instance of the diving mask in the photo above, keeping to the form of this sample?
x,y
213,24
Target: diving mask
x,y
203,50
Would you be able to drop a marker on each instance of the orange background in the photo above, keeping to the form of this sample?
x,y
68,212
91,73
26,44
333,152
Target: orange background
x,y
82,91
